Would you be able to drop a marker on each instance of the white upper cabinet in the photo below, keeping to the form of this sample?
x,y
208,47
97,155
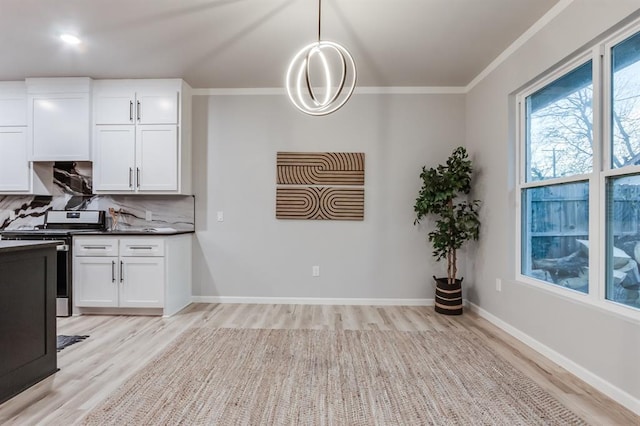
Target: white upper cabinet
x,y
142,138
13,104
118,106
157,158
58,119
159,107
17,174
15,170
114,157
114,106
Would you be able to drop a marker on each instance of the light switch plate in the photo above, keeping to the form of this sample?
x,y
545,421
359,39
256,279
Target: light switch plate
x,y
148,216
220,216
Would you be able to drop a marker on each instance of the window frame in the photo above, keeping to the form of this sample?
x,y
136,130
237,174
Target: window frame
x,y
601,56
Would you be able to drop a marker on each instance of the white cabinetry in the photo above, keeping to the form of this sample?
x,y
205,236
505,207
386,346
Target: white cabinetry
x,y
99,281
144,278
142,139
122,106
148,273
13,104
15,170
58,119
17,174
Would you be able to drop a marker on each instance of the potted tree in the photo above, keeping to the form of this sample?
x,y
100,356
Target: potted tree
x,y
456,222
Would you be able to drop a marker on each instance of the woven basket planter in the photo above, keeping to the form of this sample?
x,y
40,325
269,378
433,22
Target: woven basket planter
x,y
448,297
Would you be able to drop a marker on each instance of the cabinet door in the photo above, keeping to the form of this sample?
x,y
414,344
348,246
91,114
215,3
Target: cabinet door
x,y
114,107
59,126
157,107
157,157
13,110
14,166
95,281
114,162
142,282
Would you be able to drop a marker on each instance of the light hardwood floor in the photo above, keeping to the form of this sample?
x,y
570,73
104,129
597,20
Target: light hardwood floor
x,y
121,345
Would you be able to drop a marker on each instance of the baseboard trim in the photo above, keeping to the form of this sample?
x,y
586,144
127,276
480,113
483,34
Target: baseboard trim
x,y
619,395
311,301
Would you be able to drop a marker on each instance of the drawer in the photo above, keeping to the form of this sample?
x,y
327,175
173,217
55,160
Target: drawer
x,y
95,246
144,247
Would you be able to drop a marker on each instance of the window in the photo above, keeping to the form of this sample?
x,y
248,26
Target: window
x,y
558,135
623,243
560,127
579,177
625,111
557,234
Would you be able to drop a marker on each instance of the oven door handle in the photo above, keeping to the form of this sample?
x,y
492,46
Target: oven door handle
x,y
62,247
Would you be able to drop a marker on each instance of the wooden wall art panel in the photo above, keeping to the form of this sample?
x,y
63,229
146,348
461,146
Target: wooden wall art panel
x,y
320,168
320,202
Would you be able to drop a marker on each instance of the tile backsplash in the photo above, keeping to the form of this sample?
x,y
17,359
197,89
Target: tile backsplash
x,y
72,191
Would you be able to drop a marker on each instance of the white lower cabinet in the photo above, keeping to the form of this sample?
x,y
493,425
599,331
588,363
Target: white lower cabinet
x,y
142,282
132,273
99,281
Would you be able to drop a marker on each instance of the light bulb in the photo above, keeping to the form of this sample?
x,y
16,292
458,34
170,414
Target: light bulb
x,y
70,39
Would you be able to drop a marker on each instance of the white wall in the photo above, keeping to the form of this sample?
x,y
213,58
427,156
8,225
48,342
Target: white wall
x,y
251,254
605,345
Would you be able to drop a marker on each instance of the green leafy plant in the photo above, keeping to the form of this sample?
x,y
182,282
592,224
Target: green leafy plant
x,y
457,219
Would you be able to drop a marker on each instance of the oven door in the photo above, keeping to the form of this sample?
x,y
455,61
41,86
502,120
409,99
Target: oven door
x,y
63,295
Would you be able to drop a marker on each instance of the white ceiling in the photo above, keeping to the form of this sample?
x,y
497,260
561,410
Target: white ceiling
x,y
248,43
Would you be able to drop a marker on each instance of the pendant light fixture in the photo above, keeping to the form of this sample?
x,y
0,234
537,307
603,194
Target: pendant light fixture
x,y
322,76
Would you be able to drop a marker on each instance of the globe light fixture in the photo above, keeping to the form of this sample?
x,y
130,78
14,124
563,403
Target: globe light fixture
x,y
321,77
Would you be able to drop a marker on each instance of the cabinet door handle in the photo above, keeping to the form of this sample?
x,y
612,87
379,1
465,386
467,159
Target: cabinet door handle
x,y
138,109
130,110
113,271
121,271
138,177
130,177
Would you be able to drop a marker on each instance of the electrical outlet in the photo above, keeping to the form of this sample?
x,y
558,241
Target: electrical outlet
x,y
315,271
220,216
498,284
148,216
12,215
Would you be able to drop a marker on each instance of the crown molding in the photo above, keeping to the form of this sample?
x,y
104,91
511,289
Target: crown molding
x,y
519,42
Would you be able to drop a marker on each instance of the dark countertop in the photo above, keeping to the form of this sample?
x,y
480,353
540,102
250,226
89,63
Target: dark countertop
x,y
134,232
8,246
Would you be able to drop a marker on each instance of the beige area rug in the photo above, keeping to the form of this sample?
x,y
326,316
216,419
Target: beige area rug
x,y
317,377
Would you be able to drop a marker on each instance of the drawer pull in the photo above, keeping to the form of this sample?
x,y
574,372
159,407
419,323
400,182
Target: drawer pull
x,y
94,247
140,247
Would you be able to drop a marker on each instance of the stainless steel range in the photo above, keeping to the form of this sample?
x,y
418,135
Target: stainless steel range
x,y
61,225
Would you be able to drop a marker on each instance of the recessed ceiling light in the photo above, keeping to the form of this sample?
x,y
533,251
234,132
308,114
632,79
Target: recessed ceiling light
x,y
70,39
